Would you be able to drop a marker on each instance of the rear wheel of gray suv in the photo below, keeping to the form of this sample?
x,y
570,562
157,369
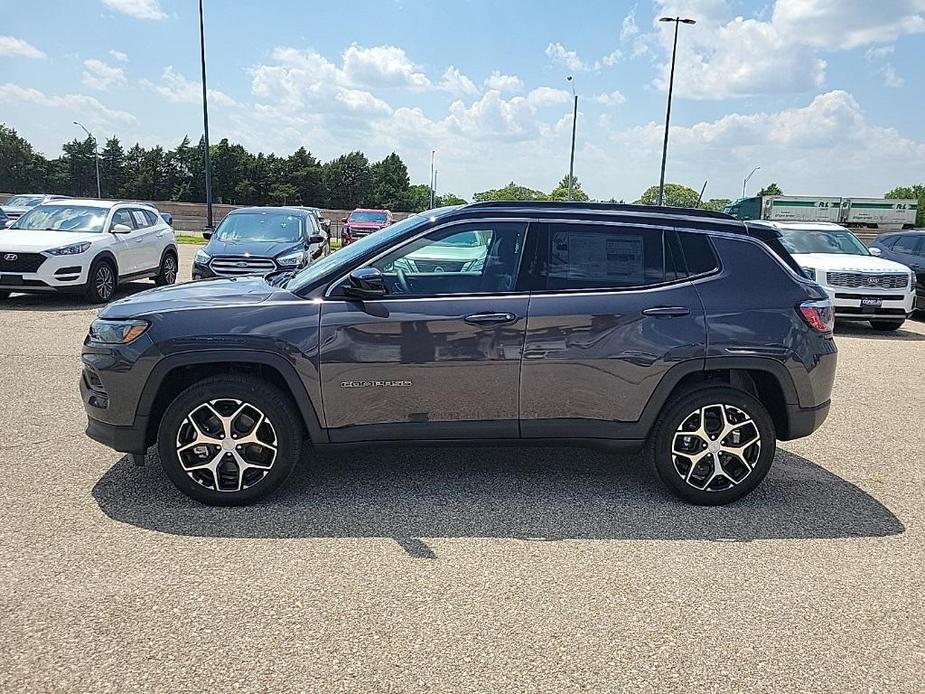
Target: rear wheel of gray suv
x,y
229,440
713,445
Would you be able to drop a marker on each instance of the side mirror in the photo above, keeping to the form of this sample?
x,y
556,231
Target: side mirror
x,y
315,238
343,221
207,235
875,251
365,283
8,223
121,229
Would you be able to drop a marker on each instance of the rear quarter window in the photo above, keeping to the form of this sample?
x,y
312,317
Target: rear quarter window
x,y
698,253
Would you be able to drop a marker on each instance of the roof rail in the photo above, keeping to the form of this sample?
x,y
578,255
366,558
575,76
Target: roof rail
x,y
598,206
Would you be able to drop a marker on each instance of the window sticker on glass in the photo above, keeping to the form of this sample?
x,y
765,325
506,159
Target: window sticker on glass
x,y
592,256
140,220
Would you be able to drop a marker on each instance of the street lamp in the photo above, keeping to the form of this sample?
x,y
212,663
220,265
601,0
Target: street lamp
x,y
96,152
433,178
677,21
747,179
205,119
571,163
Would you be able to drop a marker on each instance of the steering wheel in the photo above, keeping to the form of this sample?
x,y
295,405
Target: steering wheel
x,y
402,279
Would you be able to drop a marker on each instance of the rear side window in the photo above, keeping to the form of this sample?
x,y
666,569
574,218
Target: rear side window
x,y
772,239
907,244
698,253
151,217
600,256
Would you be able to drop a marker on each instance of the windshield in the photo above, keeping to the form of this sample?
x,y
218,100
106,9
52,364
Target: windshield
x,y
818,241
24,201
348,254
63,218
368,216
259,226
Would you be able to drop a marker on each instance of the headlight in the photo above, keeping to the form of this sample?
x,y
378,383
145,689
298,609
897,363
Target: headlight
x,y
73,249
291,260
809,272
202,257
117,332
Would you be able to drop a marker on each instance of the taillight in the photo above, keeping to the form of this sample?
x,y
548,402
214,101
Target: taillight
x,y
819,315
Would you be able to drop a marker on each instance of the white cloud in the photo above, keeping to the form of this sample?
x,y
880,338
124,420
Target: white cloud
x,y
558,53
86,106
140,9
879,59
10,45
176,88
504,83
99,75
382,66
358,100
547,96
457,83
614,98
119,55
629,27
726,55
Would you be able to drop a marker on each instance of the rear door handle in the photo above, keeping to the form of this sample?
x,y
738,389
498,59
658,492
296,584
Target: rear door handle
x,y
666,311
490,318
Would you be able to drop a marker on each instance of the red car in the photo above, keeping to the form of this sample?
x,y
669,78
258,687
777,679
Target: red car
x,y
363,223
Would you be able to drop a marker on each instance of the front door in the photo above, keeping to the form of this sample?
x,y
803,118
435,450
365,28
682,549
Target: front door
x,y
129,253
439,356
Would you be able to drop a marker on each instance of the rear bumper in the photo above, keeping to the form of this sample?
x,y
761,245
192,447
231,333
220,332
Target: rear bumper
x,y
803,421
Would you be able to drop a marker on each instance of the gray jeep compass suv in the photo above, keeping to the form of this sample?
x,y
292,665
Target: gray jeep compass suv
x,y
684,333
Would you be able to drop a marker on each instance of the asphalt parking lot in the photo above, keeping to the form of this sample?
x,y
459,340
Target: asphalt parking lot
x,y
488,570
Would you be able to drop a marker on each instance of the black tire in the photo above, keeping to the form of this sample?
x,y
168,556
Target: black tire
x,y
99,289
887,325
235,488
168,271
679,411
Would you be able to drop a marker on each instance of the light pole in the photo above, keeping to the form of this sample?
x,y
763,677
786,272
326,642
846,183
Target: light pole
x,y
205,119
747,179
433,178
677,21
571,161
96,152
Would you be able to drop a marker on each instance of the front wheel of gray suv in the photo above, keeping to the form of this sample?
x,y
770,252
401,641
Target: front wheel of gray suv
x,y
229,440
712,446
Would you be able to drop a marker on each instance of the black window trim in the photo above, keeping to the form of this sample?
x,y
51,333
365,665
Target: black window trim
x,y
708,234
527,222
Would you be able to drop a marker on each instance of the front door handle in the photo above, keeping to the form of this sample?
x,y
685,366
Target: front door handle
x,y
490,318
666,311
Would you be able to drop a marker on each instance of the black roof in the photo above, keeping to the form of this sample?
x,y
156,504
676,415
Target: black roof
x,y
572,206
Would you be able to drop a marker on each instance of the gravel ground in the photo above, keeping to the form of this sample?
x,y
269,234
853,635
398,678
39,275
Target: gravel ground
x,y
553,570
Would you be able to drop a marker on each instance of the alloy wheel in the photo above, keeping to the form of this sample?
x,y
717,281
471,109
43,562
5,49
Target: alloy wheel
x,y
104,281
170,269
226,445
716,447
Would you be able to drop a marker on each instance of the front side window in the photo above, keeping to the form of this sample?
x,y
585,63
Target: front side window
x,y
259,226
123,217
907,244
64,218
838,241
472,259
599,256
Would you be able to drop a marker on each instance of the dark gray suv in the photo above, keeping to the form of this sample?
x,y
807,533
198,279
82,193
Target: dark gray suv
x,y
684,333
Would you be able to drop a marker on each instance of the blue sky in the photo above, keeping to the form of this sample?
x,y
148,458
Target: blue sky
x,y
826,96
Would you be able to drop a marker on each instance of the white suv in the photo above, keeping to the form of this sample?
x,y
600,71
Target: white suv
x,y
86,246
860,285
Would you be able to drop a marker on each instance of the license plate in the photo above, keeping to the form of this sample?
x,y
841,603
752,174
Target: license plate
x,y
12,280
871,302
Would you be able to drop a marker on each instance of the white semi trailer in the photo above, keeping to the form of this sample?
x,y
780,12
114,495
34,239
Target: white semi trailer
x,y
859,213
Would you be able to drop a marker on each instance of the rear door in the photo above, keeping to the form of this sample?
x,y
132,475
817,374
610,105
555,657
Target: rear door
x,y
145,238
613,312
439,356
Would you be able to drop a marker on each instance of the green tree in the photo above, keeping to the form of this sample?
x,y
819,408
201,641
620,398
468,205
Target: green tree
x,y
560,192
347,180
449,199
417,198
676,195
80,161
112,168
305,173
21,168
283,193
716,204
389,183
913,192
511,191
771,189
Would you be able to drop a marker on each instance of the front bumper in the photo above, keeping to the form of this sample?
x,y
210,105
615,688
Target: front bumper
x,y
849,303
56,273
